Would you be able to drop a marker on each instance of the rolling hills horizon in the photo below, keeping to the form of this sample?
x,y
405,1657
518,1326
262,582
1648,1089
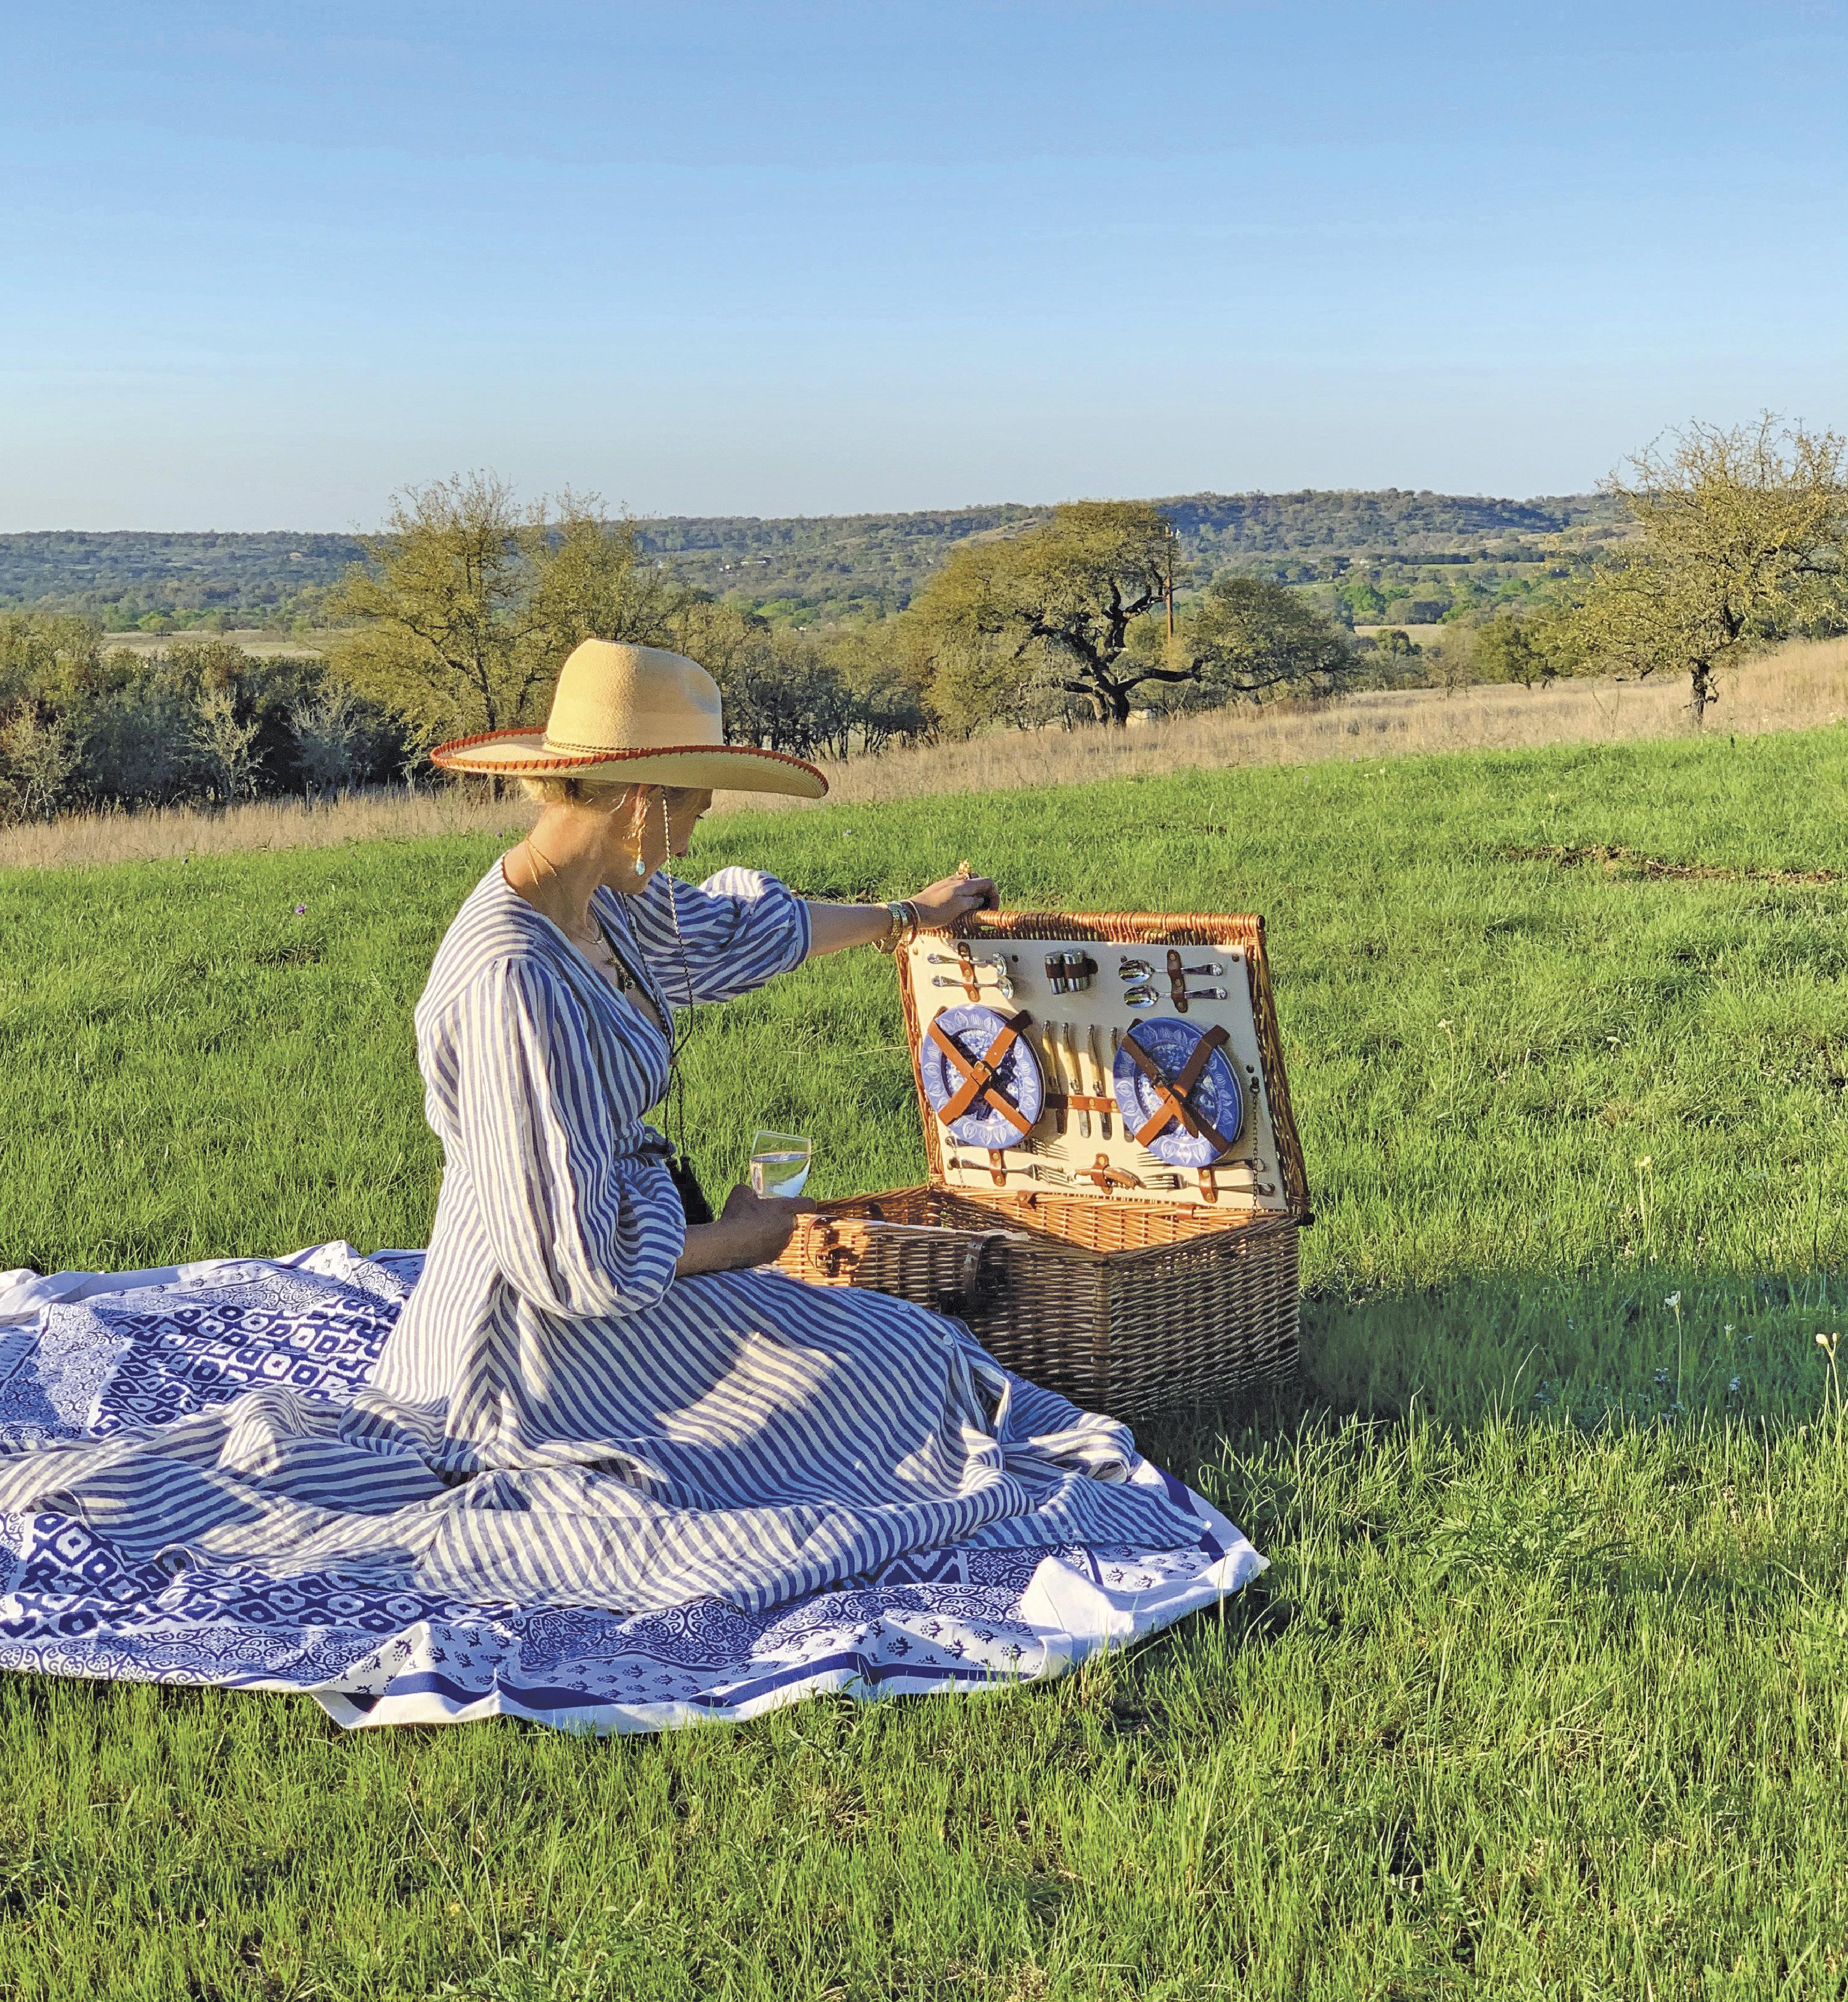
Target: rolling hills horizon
x,y
831,564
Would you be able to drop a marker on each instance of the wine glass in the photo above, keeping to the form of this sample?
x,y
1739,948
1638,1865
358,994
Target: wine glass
x,y
780,1162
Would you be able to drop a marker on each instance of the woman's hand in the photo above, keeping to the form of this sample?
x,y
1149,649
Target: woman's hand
x,y
834,927
945,905
751,1230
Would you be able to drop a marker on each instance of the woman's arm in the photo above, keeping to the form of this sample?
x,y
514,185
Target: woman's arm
x,y
835,927
752,1230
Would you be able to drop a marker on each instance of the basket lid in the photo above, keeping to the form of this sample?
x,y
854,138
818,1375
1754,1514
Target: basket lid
x,y
1127,1057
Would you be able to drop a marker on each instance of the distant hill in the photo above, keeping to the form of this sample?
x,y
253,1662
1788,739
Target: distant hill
x,y
821,565
124,573
1388,522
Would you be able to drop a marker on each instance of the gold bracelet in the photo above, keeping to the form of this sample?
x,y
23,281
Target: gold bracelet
x,y
903,915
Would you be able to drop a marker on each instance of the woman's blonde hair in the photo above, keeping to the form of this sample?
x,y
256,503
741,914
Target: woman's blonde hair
x,y
568,792
556,791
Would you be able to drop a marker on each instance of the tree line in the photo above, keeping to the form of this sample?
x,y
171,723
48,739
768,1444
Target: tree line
x,y
462,607
471,601
84,728
465,602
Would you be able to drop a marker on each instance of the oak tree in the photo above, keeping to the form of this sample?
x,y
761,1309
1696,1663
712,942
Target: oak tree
x,y
1248,634
1741,537
1054,606
1506,650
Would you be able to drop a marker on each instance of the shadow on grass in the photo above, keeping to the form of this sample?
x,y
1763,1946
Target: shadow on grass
x,y
1615,1436
1647,1348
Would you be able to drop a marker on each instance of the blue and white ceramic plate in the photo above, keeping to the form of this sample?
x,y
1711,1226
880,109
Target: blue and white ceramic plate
x,y
973,1030
1217,1097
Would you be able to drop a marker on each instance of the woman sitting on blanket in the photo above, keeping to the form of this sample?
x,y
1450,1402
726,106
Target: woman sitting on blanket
x,y
570,1316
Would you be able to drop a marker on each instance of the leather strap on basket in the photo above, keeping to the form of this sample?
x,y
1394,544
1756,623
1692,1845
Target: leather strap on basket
x,y
1175,1094
987,1252
981,1075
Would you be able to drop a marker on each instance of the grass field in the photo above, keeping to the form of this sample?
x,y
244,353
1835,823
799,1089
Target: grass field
x,y
1546,1692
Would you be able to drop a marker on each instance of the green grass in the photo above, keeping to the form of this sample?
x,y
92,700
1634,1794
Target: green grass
x,y
1545,1691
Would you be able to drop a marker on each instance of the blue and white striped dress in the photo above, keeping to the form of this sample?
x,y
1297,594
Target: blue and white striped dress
x,y
555,1419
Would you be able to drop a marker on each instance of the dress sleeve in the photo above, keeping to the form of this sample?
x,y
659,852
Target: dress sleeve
x,y
576,1227
738,929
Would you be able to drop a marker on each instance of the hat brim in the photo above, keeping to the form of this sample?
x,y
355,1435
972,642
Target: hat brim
x,y
727,768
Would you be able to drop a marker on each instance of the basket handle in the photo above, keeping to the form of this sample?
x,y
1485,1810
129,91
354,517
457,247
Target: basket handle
x,y
823,1245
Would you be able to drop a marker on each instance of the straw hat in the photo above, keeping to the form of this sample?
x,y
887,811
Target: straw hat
x,y
632,716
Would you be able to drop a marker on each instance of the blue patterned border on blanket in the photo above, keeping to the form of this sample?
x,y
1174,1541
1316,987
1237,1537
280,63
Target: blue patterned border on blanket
x,y
83,1356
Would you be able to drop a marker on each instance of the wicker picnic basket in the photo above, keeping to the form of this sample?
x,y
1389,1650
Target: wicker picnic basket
x,y
1132,1290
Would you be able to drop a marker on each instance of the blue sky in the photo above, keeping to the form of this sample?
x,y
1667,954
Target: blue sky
x,y
260,266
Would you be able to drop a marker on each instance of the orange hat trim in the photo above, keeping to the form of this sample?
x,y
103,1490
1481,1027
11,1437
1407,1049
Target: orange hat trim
x,y
565,761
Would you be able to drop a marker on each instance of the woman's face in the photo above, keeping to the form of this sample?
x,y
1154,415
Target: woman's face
x,y
685,805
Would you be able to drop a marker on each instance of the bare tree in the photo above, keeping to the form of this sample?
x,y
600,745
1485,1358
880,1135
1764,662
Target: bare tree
x,y
42,759
331,738
226,745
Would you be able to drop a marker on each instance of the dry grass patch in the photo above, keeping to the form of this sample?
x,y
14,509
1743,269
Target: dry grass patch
x,y
164,833
264,642
1799,687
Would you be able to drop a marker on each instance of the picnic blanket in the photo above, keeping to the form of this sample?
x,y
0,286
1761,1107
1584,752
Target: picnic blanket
x,y
85,1356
